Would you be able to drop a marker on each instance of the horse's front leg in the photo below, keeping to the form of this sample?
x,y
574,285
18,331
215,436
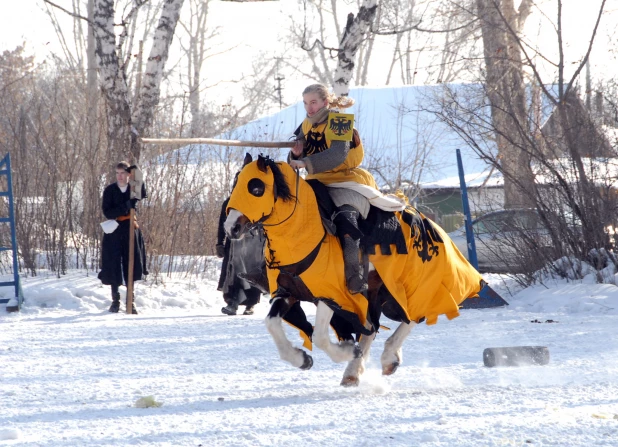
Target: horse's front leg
x,y
295,356
338,352
392,356
356,367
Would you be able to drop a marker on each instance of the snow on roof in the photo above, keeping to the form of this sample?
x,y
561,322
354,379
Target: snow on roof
x,y
472,180
601,171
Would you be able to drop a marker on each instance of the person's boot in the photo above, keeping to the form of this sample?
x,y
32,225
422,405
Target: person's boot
x,y
230,309
248,310
354,278
115,307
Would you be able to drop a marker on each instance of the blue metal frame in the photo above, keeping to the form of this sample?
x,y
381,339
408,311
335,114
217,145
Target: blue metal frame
x,y
468,218
5,169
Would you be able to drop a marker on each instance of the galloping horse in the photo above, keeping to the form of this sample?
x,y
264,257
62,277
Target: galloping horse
x,y
411,281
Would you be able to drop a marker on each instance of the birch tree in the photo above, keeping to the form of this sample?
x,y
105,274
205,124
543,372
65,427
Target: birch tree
x,y
124,126
355,31
352,41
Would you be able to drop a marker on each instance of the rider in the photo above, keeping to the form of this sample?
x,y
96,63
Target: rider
x,y
331,162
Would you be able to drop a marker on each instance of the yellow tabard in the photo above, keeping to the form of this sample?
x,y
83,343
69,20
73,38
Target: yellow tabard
x,y
348,171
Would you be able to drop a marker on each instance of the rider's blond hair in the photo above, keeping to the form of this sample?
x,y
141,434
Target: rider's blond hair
x,y
334,101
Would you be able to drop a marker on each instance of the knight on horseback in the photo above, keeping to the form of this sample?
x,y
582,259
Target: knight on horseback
x,y
413,273
335,162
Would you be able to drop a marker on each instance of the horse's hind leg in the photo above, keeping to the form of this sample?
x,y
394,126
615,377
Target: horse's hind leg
x,y
392,355
356,367
295,356
338,352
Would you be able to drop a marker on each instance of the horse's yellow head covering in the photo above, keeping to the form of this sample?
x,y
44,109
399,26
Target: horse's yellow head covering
x,y
255,193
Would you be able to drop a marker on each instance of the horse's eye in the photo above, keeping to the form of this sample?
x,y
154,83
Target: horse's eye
x,y
256,187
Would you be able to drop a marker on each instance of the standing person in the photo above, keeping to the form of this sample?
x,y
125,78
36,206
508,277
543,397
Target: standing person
x,y
336,162
239,256
222,248
117,204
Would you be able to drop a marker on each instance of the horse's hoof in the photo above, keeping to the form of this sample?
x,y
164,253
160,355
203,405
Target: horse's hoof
x,y
307,361
390,369
358,352
350,381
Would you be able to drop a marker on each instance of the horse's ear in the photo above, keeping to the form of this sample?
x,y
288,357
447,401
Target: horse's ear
x,y
261,163
248,159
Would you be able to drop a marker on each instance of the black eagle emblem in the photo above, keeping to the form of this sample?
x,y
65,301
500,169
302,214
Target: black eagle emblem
x,y
340,126
316,142
424,234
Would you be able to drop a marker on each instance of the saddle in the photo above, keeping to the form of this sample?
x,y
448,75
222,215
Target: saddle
x,y
379,228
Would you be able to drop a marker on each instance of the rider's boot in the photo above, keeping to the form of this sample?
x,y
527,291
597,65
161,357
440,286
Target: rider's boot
x,y
347,226
354,277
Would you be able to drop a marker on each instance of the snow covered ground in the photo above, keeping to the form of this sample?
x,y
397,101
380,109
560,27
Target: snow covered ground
x,y
71,374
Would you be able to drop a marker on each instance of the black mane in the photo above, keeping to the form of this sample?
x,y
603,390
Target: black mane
x,y
282,189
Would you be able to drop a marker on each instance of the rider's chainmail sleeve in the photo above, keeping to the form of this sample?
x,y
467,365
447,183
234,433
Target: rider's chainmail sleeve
x,y
328,159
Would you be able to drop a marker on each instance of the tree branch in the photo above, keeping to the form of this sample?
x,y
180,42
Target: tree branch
x,y
72,14
583,63
416,27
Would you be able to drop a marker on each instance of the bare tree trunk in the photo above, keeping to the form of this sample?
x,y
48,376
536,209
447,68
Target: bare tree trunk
x,y
124,128
394,59
333,5
92,174
195,61
323,57
588,87
91,80
507,96
355,31
362,78
151,84
112,81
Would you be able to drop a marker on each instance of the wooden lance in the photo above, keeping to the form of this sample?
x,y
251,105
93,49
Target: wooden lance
x,y
135,183
131,261
217,142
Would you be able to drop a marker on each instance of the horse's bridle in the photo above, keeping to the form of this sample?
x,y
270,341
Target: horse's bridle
x,y
260,223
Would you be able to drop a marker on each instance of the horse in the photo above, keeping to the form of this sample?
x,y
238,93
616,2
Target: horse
x,y
417,278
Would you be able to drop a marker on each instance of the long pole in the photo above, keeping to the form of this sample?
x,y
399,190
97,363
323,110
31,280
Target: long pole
x,y
467,217
9,192
217,142
131,261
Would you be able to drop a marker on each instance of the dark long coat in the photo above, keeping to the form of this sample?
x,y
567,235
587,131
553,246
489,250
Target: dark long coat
x,y
222,239
115,246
